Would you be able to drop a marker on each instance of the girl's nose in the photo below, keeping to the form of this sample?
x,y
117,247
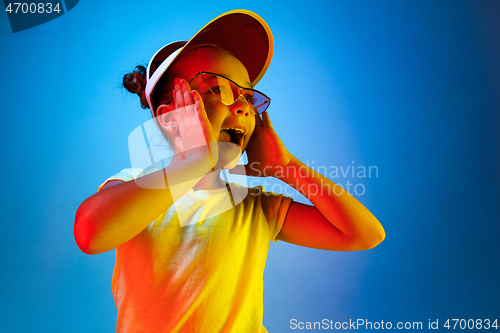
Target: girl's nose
x,y
241,107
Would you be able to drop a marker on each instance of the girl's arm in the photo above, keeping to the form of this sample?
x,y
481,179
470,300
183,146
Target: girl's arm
x,y
121,210
337,221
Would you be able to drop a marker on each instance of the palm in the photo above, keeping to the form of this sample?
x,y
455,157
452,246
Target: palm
x,y
265,151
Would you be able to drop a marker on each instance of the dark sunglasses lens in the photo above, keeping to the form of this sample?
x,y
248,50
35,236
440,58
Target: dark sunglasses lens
x,y
260,102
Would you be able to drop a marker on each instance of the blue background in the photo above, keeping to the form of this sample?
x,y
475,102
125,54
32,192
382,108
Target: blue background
x,y
412,87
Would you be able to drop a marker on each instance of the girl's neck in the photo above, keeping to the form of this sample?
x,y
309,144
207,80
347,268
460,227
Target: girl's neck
x,y
211,181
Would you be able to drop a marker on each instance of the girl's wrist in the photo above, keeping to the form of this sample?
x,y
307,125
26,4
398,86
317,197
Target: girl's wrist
x,y
289,171
197,161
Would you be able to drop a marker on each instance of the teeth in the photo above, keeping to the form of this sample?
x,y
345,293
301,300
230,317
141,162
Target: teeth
x,y
235,130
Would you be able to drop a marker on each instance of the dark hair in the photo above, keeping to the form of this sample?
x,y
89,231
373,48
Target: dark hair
x,y
135,83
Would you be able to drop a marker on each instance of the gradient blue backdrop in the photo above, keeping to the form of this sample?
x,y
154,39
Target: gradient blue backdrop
x,y
411,87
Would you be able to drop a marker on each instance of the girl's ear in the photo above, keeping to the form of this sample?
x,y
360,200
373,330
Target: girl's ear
x,y
166,119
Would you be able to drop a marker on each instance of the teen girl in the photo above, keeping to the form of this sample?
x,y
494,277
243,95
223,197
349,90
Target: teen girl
x,y
184,263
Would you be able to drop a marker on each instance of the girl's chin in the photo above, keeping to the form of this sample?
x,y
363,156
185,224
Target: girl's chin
x,y
229,155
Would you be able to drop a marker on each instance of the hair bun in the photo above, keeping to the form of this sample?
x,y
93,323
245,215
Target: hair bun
x,y
131,83
135,83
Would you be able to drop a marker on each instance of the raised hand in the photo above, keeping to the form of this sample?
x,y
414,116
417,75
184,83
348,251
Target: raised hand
x,y
195,132
265,151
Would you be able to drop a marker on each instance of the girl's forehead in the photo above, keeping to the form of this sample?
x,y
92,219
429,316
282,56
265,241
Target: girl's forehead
x,y
211,59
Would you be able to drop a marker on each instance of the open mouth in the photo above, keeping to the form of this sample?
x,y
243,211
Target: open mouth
x,y
233,135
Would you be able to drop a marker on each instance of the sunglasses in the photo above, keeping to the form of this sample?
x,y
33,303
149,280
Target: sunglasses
x,y
227,91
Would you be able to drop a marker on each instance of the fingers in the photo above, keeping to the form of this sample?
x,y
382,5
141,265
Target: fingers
x,y
202,114
198,103
258,121
186,91
182,94
177,93
185,108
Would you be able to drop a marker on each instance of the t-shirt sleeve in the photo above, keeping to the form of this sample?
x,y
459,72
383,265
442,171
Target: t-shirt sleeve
x,y
275,207
124,175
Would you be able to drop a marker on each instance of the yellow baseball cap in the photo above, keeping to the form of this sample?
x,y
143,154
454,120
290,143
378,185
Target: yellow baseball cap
x,y
241,32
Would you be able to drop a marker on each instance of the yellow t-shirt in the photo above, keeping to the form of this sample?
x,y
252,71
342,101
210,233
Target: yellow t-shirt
x,y
205,276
